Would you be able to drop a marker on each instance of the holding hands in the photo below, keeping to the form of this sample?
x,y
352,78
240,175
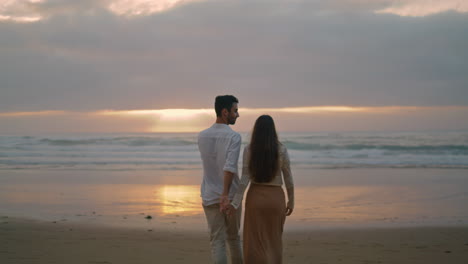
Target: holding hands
x,y
223,203
289,211
225,206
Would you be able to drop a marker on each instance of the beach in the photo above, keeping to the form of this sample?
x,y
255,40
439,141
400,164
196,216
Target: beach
x,y
107,107
29,241
345,216
359,198
325,198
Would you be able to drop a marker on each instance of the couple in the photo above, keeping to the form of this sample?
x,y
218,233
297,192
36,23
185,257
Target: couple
x,y
265,164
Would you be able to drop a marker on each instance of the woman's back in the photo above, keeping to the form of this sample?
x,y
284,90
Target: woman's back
x,y
265,165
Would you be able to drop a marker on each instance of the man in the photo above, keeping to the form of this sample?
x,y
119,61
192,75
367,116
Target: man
x,y
219,147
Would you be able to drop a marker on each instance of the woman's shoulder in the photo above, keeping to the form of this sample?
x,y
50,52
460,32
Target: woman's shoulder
x,y
246,149
282,147
282,150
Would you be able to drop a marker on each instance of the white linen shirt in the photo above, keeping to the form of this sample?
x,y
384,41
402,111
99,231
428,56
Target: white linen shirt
x,y
219,148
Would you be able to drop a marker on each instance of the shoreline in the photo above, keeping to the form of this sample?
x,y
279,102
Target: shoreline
x,y
33,241
325,199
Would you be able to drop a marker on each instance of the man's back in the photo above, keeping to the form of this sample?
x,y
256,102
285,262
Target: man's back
x,y
219,147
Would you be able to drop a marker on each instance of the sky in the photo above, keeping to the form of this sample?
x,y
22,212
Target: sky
x,y
156,66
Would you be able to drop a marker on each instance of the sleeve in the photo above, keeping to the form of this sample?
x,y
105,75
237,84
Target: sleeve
x,y
232,155
244,182
288,180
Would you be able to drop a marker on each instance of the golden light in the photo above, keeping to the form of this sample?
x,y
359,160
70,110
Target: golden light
x,y
171,114
182,114
143,7
37,113
20,11
306,109
420,8
179,199
195,120
26,11
170,120
20,19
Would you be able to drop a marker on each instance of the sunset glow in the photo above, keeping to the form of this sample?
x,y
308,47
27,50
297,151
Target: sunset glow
x,y
308,109
180,114
420,8
19,11
104,106
165,114
179,199
30,11
143,7
307,118
37,113
168,120
20,19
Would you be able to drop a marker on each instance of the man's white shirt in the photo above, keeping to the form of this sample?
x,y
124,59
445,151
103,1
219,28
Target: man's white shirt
x,y
219,148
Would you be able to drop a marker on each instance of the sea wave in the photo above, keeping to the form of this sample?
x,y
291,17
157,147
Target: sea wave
x,y
301,144
332,150
454,149
125,141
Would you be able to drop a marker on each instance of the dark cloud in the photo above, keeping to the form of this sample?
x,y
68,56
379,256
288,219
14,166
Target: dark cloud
x,y
268,53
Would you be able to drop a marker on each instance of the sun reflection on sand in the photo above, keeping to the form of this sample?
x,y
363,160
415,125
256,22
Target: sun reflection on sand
x,y
178,199
397,202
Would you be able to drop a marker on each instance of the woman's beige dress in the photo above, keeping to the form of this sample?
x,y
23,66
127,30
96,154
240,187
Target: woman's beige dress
x,y
265,212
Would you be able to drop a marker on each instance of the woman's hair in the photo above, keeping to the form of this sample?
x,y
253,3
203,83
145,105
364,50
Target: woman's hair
x,y
264,150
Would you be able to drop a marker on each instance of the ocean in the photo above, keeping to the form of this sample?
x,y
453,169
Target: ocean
x,y
342,179
180,152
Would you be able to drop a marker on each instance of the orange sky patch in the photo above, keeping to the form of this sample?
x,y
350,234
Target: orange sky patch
x,y
310,118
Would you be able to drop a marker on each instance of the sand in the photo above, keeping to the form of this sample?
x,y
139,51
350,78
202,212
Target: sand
x,y
30,241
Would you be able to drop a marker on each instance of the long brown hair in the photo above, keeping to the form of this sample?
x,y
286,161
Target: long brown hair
x,y
264,150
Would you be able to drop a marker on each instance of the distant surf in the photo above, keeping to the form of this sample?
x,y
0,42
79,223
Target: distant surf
x,y
180,151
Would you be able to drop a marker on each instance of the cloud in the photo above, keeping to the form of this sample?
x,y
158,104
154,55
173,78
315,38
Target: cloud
x,y
19,11
420,8
84,57
30,11
143,7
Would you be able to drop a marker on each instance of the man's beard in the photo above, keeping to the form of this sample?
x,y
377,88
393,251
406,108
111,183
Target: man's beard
x,y
231,121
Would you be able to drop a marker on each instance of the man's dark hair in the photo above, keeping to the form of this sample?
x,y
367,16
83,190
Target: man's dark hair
x,y
224,101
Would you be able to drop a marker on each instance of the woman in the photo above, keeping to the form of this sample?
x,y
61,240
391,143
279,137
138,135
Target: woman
x,y
265,160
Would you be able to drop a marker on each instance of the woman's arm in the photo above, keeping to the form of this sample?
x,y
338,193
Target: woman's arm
x,y
288,181
244,181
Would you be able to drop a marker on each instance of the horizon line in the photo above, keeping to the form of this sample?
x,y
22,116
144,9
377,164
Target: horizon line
x,y
182,111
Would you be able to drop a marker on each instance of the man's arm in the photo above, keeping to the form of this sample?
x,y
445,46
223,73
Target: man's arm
x,y
224,202
230,169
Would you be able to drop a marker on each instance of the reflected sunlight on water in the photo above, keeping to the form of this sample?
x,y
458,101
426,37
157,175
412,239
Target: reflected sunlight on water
x,y
103,199
328,201
178,199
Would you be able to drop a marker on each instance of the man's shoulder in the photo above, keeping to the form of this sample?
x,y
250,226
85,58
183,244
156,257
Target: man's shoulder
x,y
219,131
203,132
232,134
207,132
236,135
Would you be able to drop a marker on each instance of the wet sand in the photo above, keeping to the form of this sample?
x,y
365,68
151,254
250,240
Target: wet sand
x,y
361,198
31,241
